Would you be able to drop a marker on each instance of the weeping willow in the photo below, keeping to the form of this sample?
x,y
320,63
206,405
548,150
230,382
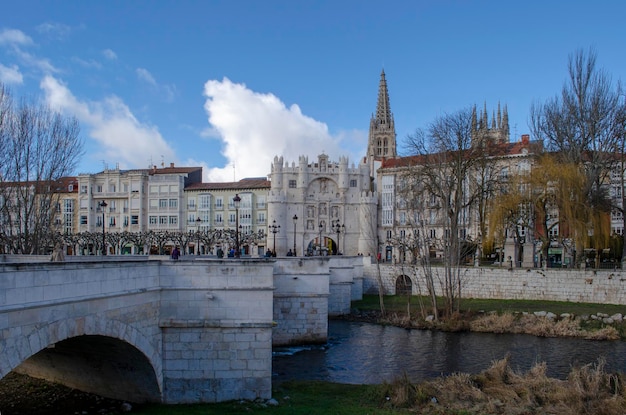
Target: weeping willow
x,y
555,200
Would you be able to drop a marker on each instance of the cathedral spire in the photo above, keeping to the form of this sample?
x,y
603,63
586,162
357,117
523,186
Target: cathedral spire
x,y
382,135
383,110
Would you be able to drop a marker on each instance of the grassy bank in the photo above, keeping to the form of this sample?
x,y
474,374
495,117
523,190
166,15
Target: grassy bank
x,y
398,304
498,316
297,398
499,390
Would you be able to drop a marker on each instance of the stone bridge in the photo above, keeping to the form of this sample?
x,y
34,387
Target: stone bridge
x,y
154,330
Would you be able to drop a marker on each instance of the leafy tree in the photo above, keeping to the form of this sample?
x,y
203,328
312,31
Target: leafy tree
x,y
549,202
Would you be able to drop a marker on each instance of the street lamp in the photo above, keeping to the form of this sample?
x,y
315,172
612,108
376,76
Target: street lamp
x,y
103,205
198,222
320,240
295,222
236,201
339,228
274,229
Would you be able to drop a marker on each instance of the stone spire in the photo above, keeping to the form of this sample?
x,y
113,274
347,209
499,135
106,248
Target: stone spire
x,y
485,133
382,135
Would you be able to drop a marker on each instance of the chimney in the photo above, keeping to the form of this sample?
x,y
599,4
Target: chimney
x,y
171,164
525,139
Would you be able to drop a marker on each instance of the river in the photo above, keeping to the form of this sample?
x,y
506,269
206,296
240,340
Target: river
x,y
365,353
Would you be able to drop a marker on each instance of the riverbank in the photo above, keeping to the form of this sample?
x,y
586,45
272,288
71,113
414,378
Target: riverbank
x,y
538,318
499,390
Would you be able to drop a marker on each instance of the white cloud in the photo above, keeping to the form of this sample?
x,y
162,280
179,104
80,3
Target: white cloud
x,y
146,76
57,30
11,75
91,63
109,54
119,136
43,65
14,37
255,127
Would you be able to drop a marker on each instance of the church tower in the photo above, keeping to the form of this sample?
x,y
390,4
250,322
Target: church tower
x,y
382,135
485,135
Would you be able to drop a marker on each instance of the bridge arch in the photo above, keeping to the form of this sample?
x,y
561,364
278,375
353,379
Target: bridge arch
x,y
103,356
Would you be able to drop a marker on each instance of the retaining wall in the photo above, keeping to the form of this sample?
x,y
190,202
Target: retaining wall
x,y
575,285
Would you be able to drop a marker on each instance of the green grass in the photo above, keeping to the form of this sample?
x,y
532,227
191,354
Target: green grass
x,y
296,398
398,304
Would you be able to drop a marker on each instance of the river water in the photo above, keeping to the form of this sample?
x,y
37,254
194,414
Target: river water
x,y
364,353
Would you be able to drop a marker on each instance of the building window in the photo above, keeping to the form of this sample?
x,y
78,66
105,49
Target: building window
x,y
204,202
83,189
219,218
174,220
99,188
352,182
173,203
134,220
153,220
162,220
219,203
261,218
162,203
83,220
292,184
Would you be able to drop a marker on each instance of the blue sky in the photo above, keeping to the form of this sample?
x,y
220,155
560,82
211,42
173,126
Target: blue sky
x,y
228,85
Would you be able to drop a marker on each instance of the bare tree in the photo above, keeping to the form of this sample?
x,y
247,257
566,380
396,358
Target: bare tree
x,y
444,159
585,125
38,146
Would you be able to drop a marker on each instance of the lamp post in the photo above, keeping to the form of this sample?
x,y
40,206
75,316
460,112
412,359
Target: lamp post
x,y
339,228
103,205
236,202
320,240
274,229
295,222
198,222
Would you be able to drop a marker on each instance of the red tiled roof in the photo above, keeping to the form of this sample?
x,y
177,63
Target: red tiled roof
x,y
249,183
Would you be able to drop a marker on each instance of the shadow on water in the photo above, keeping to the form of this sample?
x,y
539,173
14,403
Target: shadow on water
x,y
364,353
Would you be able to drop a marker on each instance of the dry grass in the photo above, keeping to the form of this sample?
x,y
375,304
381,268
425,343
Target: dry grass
x,y
500,390
539,326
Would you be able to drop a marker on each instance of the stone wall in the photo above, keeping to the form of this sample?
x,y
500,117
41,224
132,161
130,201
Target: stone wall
x,y
576,285
345,284
43,304
216,317
301,294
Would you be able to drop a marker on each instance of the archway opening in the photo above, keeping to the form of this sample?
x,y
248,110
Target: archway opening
x,y
97,364
404,285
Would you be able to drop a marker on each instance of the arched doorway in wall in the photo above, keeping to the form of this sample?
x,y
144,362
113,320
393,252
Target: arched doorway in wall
x,y
404,285
327,247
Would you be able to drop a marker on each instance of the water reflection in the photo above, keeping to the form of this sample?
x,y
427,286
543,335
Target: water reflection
x,y
363,353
